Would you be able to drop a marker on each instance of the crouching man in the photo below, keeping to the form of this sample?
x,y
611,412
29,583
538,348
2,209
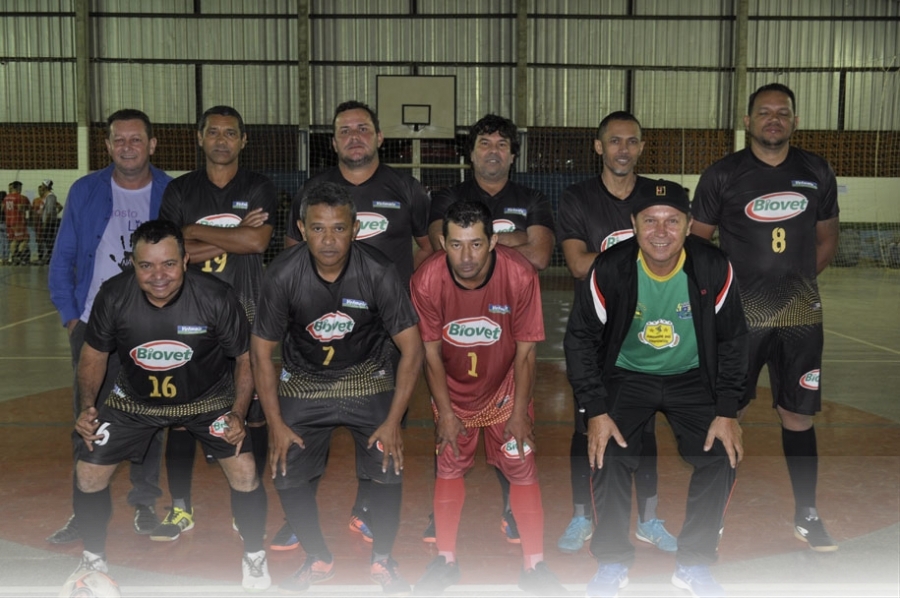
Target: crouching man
x,y
183,341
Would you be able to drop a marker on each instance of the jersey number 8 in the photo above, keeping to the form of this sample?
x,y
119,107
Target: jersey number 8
x,y
779,244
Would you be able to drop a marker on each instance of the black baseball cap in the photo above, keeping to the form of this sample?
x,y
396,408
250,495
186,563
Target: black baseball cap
x,y
665,193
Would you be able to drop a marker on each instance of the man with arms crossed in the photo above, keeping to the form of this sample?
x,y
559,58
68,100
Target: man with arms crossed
x,y
103,209
183,341
391,208
593,215
479,306
223,212
341,313
658,327
777,213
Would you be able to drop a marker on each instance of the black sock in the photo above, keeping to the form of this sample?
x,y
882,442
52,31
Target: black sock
x,y
384,515
249,510
302,512
802,456
92,511
504,490
181,447
259,436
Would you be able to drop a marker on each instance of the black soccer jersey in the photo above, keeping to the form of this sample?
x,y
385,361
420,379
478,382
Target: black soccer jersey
x,y
514,208
174,355
194,199
336,336
767,218
589,212
391,207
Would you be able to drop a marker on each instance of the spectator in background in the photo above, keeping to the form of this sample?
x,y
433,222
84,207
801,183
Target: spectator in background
x,y
44,210
15,210
4,242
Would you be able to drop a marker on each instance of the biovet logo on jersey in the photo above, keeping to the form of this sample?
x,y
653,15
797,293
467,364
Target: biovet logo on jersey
x,y
331,326
221,220
158,356
472,332
616,237
504,225
775,207
370,225
810,380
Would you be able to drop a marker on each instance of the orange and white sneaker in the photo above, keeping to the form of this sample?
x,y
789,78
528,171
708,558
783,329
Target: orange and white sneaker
x,y
385,573
314,570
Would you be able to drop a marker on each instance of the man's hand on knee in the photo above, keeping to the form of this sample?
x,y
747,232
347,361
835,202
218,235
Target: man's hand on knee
x,y
728,431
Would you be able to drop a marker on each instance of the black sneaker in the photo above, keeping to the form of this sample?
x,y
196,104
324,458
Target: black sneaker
x,y
439,575
145,520
540,581
67,533
811,530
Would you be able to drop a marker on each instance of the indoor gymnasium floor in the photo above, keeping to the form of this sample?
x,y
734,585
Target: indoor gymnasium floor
x,y
859,480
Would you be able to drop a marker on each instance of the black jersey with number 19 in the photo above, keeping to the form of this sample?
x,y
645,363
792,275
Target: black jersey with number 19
x,y
767,217
336,336
194,199
177,360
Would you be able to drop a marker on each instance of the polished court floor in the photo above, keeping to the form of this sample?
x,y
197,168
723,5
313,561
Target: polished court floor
x,y
859,496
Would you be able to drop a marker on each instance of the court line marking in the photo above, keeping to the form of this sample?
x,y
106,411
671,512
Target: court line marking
x,y
27,358
862,342
25,321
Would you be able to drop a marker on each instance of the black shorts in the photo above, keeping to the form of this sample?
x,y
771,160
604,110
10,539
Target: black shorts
x,y
315,419
255,413
127,436
794,357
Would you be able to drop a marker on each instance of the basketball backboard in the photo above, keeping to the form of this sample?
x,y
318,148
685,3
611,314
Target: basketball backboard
x,y
416,107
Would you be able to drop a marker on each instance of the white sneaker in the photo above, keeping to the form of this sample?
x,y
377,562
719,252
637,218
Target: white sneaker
x,y
90,562
92,567
256,572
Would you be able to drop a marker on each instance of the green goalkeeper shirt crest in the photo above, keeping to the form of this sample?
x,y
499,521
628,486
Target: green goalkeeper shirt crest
x,y
661,339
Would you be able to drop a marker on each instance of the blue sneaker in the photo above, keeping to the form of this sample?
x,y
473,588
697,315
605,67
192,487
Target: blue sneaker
x,y
509,528
359,526
578,532
608,580
698,581
653,532
285,539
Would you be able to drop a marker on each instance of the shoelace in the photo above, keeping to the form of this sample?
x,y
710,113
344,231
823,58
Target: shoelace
x,y
92,564
255,565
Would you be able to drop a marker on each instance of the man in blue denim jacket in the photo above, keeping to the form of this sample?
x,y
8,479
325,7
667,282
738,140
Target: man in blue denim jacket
x,y
102,210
